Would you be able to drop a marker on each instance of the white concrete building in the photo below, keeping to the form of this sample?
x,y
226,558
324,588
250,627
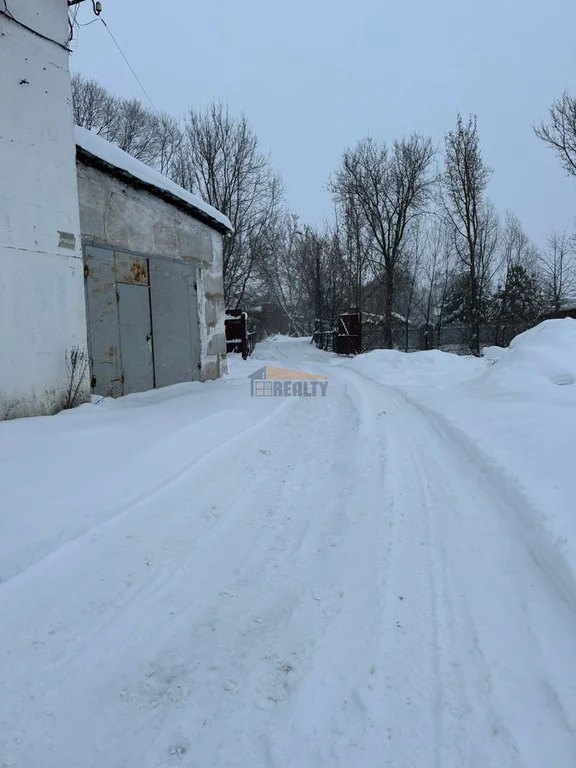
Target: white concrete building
x,y
42,307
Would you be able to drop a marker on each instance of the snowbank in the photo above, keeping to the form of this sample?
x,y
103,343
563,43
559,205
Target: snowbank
x,y
493,353
431,368
522,412
537,362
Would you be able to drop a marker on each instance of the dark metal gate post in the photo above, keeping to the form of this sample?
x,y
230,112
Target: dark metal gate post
x,y
237,336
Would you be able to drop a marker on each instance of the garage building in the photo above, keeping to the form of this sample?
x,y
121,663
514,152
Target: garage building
x,y
153,274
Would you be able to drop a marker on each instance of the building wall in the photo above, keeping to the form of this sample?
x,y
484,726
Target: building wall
x,y
42,310
116,215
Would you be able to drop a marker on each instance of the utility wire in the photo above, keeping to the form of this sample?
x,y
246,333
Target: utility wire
x,y
7,10
144,91
87,24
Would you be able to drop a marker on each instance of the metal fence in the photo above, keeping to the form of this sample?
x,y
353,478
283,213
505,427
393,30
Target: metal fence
x,y
354,336
345,339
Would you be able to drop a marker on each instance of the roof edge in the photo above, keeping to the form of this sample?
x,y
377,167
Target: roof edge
x,y
90,159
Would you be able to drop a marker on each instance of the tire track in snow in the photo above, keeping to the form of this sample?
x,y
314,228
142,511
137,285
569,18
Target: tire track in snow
x,y
535,537
264,655
464,501
409,711
460,710
221,548
66,583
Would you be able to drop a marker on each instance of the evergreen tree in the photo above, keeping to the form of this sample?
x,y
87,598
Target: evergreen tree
x,y
516,305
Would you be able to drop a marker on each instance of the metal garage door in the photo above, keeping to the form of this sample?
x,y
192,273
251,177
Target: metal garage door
x,y
103,327
135,337
143,324
174,300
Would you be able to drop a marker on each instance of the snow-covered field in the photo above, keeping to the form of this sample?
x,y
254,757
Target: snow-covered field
x,y
385,576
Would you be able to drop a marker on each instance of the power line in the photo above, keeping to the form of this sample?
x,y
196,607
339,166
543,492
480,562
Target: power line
x,y
144,91
87,24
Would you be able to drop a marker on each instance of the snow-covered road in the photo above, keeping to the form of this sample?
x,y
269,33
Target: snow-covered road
x,y
200,578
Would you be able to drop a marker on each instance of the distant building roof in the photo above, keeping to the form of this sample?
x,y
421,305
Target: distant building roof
x,y
370,317
94,150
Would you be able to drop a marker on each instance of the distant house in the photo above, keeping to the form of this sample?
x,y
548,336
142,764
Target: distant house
x,y
568,309
99,254
153,270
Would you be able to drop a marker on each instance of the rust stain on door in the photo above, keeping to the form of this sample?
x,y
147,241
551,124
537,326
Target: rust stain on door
x,y
130,269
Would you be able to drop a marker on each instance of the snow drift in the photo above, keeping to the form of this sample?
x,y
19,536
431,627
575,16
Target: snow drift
x,y
431,368
538,361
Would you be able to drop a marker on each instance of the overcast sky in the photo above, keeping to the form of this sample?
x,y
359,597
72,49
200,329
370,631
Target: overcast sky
x,y
314,76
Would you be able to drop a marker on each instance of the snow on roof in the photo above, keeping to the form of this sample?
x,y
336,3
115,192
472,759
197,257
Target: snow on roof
x,y
112,157
370,317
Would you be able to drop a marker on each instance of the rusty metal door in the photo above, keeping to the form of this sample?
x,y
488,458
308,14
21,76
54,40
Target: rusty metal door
x,y
133,293
135,337
175,321
102,316
119,324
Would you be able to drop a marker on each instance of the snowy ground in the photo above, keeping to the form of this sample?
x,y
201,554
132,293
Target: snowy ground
x,y
381,577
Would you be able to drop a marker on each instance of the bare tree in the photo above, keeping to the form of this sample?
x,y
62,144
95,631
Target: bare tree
x,y
305,275
413,280
515,244
352,231
169,137
135,130
280,273
94,107
441,272
435,267
153,137
388,189
559,132
221,160
517,271
313,264
558,269
474,225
